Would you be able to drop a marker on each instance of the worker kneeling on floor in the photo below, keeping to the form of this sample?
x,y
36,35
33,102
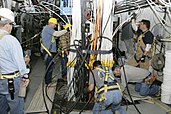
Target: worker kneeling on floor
x,y
149,86
107,90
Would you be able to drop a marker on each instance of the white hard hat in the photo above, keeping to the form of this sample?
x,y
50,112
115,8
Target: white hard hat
x,y
6,14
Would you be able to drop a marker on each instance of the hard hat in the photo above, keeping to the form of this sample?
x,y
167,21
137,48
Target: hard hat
x,y
53,20
6,14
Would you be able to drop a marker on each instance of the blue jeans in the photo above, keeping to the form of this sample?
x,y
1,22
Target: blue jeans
x,y
48,75
16,106
145,89
114,99
64,61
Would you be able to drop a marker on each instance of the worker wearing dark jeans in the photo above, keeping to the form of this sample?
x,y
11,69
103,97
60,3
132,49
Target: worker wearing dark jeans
x,y
64,60
48,45
148,86
64,46
49,67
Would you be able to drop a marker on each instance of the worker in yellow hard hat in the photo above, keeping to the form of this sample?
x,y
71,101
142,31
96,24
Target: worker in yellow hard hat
x,y
53,20
48,44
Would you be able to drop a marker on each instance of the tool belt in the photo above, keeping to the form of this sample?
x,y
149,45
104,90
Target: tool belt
x,y
10,80
10,75
109,88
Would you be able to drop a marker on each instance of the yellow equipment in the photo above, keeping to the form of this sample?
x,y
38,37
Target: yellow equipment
x,y
47,50
67,26
106,87
7,76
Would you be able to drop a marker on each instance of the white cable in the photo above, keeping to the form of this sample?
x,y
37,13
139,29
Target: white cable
x,y
136,12
106,24
160,19
76,35
41,8
164,3
119,27
55,14
167,12
60,10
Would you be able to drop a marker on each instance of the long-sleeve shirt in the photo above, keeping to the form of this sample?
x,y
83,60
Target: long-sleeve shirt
x,y
11,55
47,34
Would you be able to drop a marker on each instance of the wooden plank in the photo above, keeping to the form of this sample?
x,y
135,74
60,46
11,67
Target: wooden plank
x,y
37,103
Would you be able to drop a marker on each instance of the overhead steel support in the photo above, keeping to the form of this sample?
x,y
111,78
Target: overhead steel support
x,y
130,5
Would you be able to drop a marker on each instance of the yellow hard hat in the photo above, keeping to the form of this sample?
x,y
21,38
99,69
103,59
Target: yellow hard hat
x,y
53,20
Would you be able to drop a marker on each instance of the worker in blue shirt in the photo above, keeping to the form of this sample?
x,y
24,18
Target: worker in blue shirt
x,y
49,45
12,67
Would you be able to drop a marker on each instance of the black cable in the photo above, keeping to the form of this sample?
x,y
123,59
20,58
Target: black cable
x,y
47,85
71,98
94,83
125,77
82,63
47,110
126,81
60,72
69,85
93,79
80,67
91,95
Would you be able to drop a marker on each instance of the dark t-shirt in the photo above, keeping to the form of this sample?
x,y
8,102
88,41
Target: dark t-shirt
x,y
148,38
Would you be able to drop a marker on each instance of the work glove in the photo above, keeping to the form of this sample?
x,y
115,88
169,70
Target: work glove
x,y
148,80
143,59
67,26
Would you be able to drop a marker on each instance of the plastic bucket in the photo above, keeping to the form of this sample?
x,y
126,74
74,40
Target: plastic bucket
x,y
166,94
168,60
168,53
167,65
167,73
167,82
167,78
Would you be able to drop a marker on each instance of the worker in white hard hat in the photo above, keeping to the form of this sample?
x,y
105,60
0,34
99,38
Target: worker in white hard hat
x,y
49,45
12,67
